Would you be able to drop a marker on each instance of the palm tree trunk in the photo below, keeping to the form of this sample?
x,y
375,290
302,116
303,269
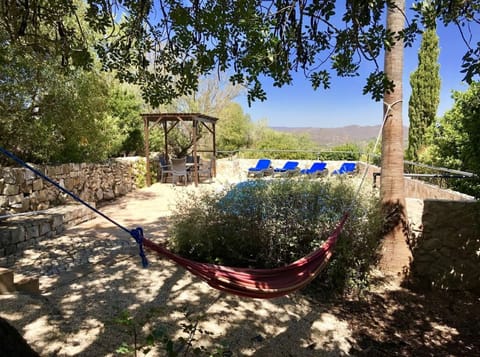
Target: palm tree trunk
x,y
396,254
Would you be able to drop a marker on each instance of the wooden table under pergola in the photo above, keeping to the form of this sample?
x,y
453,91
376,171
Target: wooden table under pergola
x,y
169,121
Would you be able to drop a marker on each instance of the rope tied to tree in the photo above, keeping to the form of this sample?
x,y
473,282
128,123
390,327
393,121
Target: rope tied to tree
x,y
377,141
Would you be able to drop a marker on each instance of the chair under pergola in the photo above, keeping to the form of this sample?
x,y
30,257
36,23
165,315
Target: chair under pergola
x,y
169,121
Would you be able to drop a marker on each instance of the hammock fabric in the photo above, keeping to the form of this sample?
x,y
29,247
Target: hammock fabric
x,y
259,283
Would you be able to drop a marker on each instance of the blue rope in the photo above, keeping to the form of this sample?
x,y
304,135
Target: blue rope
x,y
134,233
137,233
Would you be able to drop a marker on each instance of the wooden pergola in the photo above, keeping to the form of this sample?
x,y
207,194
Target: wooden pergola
x,y
169,121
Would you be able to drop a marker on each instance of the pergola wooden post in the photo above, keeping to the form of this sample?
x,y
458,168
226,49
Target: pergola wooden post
x,y
171,120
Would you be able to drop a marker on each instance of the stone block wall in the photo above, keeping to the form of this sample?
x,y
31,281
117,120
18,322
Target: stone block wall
x,y
32,209
447,253
23,191
417,188
19,232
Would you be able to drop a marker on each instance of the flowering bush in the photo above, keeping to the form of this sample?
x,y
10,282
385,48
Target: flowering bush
x,y
265,224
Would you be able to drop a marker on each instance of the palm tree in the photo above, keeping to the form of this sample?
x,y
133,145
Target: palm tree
x,y
396,253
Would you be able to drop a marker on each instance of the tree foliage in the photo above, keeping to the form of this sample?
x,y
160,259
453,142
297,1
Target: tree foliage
x,y
348,151
49,114
53,112
455,140
20,77
72,118
166,46
214,97
268,142
425,97
233,128
124,107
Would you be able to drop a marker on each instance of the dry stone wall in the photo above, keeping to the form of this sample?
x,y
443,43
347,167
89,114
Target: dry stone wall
x,y
19,232
23,191
447,253
417,188
32,209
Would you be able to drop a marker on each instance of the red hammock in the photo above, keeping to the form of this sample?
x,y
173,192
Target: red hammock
x,y
255,283
259,283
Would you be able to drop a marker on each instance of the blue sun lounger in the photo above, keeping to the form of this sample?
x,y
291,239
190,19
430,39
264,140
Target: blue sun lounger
x,y
262,168
290,168
317,169
346,168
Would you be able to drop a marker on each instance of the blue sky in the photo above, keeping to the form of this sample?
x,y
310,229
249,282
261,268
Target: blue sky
x,y
298,105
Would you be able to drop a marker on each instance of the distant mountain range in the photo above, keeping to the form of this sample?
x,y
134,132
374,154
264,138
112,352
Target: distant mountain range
x,y
330,137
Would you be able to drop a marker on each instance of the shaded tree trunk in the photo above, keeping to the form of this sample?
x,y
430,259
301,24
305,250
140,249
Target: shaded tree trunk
x,y
396,254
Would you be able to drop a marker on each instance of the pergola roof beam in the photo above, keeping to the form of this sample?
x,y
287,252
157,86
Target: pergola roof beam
x,y
175,118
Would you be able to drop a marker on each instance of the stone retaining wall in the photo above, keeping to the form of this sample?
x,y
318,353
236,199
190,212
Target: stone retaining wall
x,y
22,231
32,209
419,189
447,253
23,191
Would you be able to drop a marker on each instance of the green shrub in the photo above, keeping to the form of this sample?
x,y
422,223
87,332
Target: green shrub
x,y
140,170
266,224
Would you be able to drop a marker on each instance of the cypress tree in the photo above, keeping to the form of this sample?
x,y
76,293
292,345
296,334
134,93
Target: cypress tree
x,y
423,102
